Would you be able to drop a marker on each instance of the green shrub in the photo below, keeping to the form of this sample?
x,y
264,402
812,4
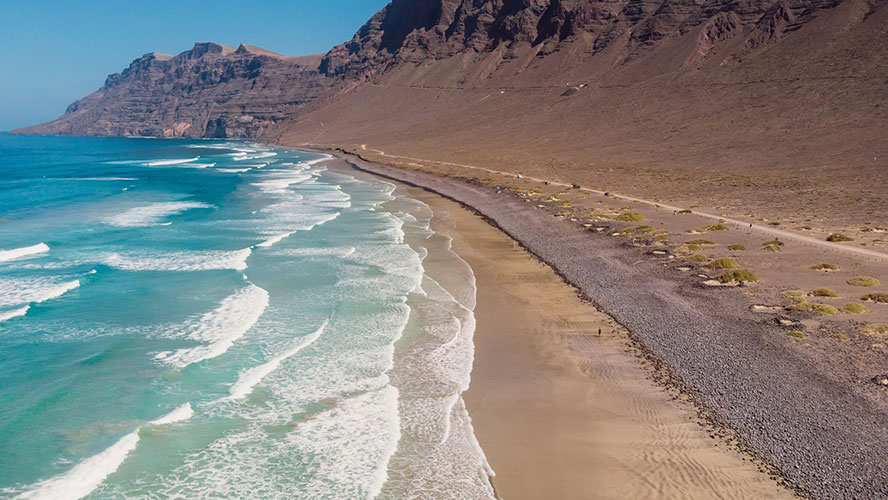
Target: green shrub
x,y
685,211
737,247
821,309
839,237
697,258
713,227
841,337
864,281
874,330
854,308
688,248
738,275
824,309
825,266
629,217
824,292
795,295
722,263
796,334
700,241
879,298
800,307
772,245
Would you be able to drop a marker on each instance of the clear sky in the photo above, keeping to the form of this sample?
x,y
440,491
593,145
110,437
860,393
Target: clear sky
x,y
57,51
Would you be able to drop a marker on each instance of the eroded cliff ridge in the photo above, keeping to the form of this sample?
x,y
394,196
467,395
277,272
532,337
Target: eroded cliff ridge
x,y
211,90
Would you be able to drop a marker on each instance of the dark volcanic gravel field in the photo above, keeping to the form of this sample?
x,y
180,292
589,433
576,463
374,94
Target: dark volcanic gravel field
x,y
825,440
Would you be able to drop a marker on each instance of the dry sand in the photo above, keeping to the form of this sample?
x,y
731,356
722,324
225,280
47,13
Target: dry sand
x,y
563,413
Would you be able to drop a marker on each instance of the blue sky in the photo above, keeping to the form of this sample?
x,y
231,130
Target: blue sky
x,y
57,51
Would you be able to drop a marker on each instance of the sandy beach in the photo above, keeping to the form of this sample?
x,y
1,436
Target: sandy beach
x,y
564,413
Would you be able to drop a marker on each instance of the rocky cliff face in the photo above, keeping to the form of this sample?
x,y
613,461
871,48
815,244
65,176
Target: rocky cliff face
x,y
209,91
218,91
416,31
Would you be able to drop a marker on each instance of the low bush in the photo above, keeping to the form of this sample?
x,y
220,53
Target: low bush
x,y
854,308
722,263
738,275
839,237
879,298
825,266
864,281
629,217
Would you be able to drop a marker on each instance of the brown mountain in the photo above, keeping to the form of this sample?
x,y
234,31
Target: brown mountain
x,y
762,102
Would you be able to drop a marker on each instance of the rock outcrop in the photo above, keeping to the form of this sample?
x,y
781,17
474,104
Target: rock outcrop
x,y
211,90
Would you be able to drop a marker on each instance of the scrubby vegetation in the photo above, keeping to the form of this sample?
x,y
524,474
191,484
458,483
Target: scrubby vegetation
x,y
838,237
874,330
738,275
700,241
824,292
854,308
697,258
841,337
879,298
722,263
685,211
737,247
821,309
864,281
795,295
772,245
688,248
713,227
629,217
825,266
796,334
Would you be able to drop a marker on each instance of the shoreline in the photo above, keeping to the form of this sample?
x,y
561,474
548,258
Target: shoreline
x,y
807,428
560,411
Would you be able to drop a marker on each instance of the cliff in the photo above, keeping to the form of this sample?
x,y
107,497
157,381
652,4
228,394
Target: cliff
x,y
211,90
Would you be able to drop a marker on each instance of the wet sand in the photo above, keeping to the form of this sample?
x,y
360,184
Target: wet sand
x,y
563,413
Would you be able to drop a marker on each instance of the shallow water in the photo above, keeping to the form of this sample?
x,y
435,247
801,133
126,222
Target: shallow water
x,y
218,319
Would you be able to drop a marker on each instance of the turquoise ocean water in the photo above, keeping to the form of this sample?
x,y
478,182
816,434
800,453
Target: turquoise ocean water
x,y
219,319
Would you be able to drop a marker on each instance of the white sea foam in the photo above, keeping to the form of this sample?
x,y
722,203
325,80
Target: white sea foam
x,y
275,239
318,252
219,329
180,414
195,165
15,313
257,156
15,292
18,253
87,475
163,163
281,183
234,170
180,261
248,379
93,179
151,215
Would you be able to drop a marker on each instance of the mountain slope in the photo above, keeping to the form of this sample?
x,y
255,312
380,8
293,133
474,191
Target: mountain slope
x,y
765,108
752,106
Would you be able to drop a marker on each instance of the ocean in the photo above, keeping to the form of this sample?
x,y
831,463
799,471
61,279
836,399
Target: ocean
x,y
222,319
